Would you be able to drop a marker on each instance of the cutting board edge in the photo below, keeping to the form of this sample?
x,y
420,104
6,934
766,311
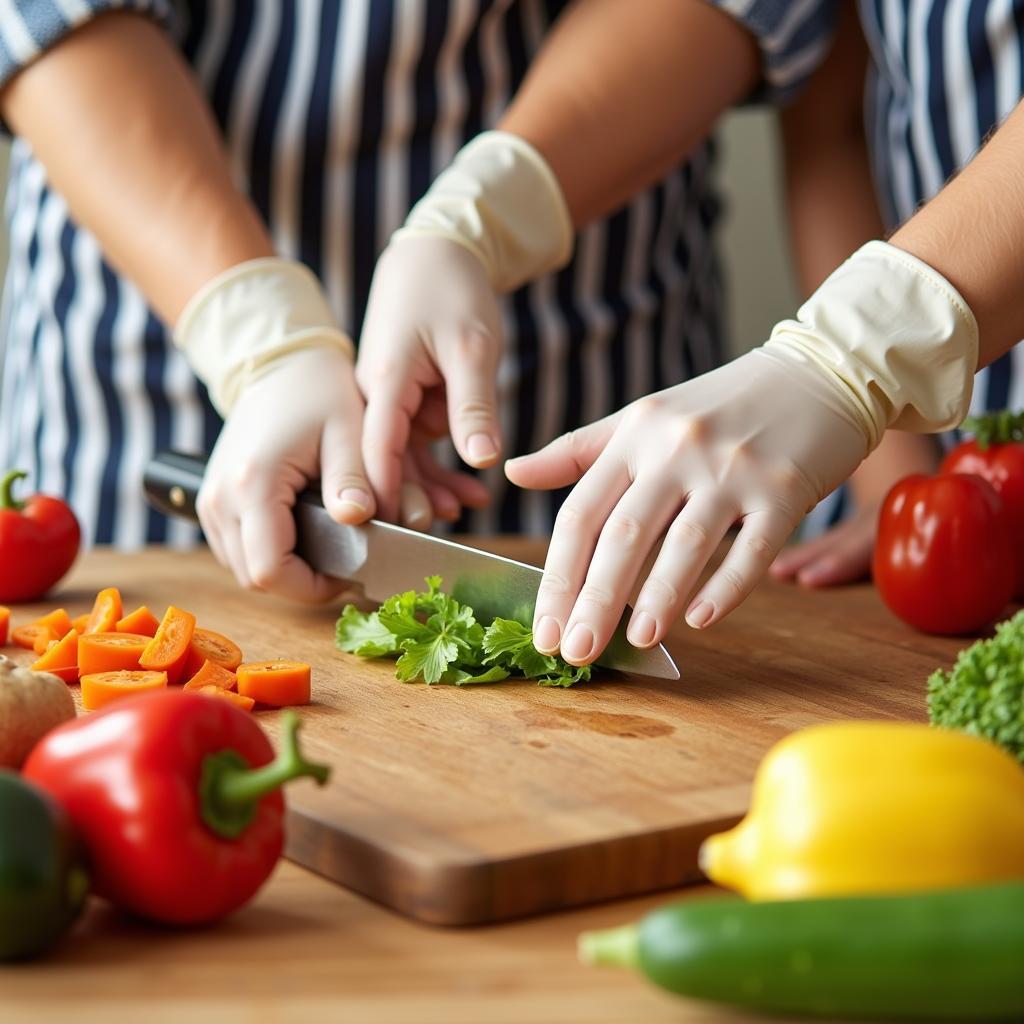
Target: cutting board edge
x,y
468,893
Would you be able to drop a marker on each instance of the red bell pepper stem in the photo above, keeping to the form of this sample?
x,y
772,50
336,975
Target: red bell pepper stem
x,y
6,486
995,428
230,791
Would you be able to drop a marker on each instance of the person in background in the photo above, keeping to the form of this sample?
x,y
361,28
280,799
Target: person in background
x,y
228,173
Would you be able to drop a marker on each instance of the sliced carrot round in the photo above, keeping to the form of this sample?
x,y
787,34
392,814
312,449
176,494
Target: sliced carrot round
x,y
210,646
141,621
25,636
100,688
106,610
277,683
245,703
110,652
211,674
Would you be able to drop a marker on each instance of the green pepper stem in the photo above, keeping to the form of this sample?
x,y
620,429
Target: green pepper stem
x,y
7,483
230,791
615,947
995,428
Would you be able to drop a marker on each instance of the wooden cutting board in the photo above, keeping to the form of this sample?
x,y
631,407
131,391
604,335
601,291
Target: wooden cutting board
x,y
461,806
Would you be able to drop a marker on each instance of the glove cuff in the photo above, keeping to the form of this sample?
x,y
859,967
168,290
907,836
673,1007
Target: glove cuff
x,y
248,317
500,200
893,338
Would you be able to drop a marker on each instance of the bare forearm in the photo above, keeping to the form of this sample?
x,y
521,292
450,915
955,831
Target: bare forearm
x,y
117,120
972,233
614,100
829,192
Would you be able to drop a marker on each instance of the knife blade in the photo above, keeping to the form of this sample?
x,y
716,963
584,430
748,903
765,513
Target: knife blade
x,y
385,559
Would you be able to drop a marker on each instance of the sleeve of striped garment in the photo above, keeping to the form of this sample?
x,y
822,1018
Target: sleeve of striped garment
x,y
793,36
28,28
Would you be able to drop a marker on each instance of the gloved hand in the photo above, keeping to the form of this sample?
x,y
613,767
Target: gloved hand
x,y
432,333
884,341
263,339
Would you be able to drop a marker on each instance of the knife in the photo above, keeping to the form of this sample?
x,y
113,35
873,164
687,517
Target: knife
x,y
386,559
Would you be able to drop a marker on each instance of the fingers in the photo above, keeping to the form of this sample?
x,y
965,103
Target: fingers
x,y
267,532
690,542
386,425
573,539
626,539
564,460
842,555
469,365
347,494
466,489
753,550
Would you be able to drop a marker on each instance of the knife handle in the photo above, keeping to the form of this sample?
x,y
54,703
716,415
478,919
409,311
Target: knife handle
x,y
172,481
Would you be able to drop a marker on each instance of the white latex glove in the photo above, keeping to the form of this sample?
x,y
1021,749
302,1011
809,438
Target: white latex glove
x,y
432,335
757,442
263,339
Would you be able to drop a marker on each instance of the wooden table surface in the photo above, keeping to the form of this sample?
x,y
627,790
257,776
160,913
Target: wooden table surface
x,y
309,950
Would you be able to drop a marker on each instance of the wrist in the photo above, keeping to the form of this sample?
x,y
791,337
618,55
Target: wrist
x,y
893,340
246,319
500,200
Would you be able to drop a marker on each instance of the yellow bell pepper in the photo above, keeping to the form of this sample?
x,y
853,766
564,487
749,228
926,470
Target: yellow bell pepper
x,y
873,807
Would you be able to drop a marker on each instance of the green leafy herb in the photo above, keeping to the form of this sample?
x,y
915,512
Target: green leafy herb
x,y
984,693
438,640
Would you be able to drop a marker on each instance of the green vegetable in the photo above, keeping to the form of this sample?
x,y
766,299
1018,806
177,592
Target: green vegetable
x,y
438,640
43,880
938,955
984,693
995,428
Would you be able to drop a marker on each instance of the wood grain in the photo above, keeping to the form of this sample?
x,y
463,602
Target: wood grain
x,y
460,806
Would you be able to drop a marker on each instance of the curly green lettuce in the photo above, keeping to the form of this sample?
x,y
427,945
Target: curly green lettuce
x,y
983,694
435,639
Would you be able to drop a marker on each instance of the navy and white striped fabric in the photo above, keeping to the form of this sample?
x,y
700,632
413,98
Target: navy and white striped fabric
x,y
338,114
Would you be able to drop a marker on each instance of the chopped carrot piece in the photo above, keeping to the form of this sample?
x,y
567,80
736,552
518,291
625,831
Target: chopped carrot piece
x,y
101,688
210,646
169,648
277,683
141,621
245,703
105,611
80,622
5,621
61,654
43,638
109,652
25,636
58,620
212,674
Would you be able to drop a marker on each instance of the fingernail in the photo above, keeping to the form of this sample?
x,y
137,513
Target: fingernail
x,y
579,643
355,497
812,575
641,630
481,448
700,614
547,635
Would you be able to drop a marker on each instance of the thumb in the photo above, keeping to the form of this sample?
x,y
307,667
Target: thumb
x,y
347,495
564,460
469,365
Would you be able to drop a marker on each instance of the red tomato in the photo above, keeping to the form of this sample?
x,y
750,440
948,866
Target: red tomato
x,y
944,559
1002,465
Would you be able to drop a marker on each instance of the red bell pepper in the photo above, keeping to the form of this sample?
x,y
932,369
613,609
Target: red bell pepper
x,y
176,795
943,557
39,540
996,453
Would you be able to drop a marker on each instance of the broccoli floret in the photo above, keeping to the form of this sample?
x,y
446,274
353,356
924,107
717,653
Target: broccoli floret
x,y
984,693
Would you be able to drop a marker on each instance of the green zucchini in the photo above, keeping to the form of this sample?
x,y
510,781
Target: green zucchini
x,y
953,954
